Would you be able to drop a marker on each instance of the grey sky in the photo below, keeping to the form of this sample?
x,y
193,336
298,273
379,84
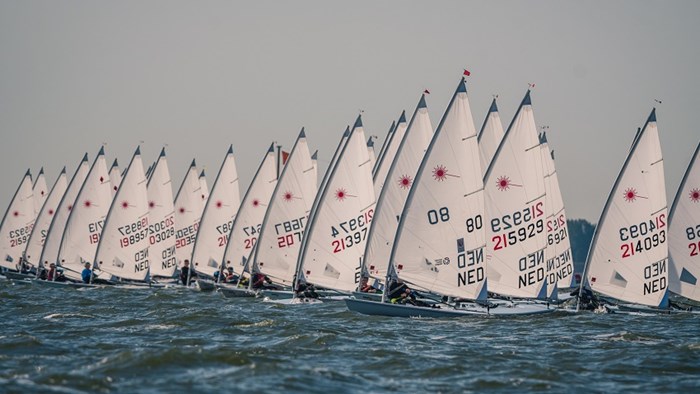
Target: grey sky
x,y
199,75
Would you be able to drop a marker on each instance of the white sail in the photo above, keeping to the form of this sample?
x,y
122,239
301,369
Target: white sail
x,y
161,213
490,136
40,191
217,219
515,205
188,212
115,177
17,224
628,256
399,179
440,241
85,221
392,146
339,222
204,189
43,220
684,234
314,162
123,247
49,254
247,225
382,151
284,223
370,151
560,264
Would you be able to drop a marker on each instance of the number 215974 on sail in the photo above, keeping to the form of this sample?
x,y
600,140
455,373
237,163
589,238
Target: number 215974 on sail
x,y
351,232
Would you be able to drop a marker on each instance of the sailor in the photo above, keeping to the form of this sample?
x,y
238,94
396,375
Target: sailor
x,y
185,272
51,275
87,273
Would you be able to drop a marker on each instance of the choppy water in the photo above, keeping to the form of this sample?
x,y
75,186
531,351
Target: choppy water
x,y
177,340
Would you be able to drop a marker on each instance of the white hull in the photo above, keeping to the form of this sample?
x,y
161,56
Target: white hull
x,y
502,308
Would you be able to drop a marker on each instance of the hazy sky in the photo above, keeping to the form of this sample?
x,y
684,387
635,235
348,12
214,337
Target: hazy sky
x,y
200,75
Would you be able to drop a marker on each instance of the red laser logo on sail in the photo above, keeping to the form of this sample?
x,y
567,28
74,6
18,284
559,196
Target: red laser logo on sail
x,y
256,203
503,183
341,194
440,173
151,204
288,196
405,182
695,195
125,204
631,194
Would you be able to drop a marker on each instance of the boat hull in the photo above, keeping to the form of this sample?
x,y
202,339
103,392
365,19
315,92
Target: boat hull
x,y
465,309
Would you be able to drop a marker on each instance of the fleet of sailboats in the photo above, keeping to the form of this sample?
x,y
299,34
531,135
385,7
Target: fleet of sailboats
x,y
438,223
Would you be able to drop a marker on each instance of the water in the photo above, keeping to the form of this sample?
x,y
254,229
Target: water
x,y
178,340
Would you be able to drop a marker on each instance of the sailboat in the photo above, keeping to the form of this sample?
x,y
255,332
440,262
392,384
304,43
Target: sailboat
x,y
336,235
628,258
684,235
40,191
392,198
161,228
515,203
15,229
490,136
52,244
122,254
36,241
85,220
188,212
247,225
204,188
560,265
115,176
217,220
282,230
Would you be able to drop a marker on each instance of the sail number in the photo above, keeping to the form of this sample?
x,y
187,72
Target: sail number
x,y
517,218
162,230
354,231
443,215
647,243
643,228
295,227
692,232
186,235
20,236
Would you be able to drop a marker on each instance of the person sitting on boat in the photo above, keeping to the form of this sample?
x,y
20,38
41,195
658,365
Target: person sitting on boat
x,y
230,276
306,290
398,291
365,287
51,275
262,281
87,273
185,273
60,276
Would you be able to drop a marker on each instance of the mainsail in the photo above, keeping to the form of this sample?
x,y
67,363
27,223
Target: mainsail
x,y
188,211
247,225
115,177
86,219
628,256
123,247
17,224
490,136
43,220
381,168
560,264
161,228
370,151
49,254
217,218
338,226
684,234
399,179
515,203
286,217
440,240
382,151
40,191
